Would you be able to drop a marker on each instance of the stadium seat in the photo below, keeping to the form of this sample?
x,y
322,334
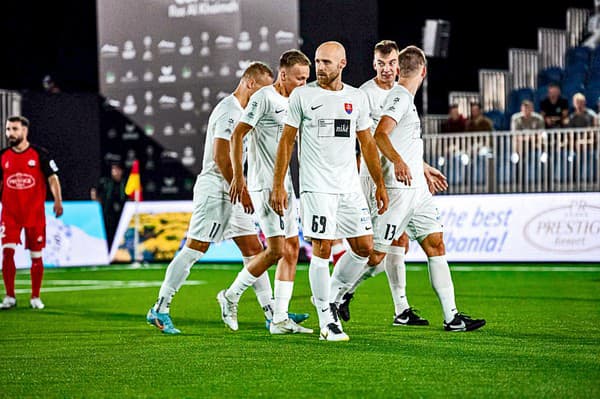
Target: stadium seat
x,y
592,96
550,75
497,118
540,94
515,97
579,54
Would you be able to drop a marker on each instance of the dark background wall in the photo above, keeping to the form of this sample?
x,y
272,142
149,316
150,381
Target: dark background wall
x,y
68,125
59,38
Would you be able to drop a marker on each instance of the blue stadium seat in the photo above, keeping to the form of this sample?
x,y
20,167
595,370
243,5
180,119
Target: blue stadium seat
x,y
515,97
578,54
592,96
570,89
550,75
497,118
540,94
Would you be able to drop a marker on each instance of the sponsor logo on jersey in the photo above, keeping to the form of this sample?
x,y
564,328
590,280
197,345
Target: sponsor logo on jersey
x,y
20,181
341,128
348,108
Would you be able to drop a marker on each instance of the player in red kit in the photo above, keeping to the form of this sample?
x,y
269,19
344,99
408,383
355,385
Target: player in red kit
x,y
24,169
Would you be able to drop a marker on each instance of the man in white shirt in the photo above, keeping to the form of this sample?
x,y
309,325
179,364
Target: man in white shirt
x,y
329,116
385,63
412,208
214,218
263,122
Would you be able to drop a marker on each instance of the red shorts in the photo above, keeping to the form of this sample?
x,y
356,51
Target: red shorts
x,y
35,236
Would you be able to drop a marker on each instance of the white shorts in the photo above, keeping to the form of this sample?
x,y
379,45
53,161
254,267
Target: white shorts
x,y
215,219
410,209
333,216
368,188
271,224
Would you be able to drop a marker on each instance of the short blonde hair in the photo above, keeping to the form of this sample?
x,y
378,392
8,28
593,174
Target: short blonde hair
x,y
410,60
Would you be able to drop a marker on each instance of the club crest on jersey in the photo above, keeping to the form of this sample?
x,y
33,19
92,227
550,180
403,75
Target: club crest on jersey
x,y
31,163
348,108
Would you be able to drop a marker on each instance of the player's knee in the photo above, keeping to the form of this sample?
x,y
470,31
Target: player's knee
x,y
376,258
292,247
402,241
434,245
274,253
364,249
197,245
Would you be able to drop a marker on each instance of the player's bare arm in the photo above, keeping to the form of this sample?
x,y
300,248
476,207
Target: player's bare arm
x,y
369,150
56,194
382,139
436,181
238,191
278,199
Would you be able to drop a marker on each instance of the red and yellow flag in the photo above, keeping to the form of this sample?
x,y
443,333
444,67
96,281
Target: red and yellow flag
x,y
133,187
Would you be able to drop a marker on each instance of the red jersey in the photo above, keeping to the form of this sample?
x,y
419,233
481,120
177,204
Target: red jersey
x,y
24,176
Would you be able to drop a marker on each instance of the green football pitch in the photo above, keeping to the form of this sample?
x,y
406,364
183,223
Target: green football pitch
x,y
542,339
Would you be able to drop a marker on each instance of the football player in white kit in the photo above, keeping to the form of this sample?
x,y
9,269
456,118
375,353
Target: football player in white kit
x,y
263,121
412,208
214,218
329,116
385,63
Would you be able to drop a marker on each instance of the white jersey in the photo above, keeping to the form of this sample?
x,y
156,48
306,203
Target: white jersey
x,y
266,113
405,137
221,123
376,96
328,121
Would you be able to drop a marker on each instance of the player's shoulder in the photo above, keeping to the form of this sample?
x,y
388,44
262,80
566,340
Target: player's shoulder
x,y
39,149
355,92
368,85
227,105
4,151
263,92
399,93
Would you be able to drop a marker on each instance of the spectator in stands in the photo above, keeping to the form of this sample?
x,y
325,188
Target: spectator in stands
x,y
50,85
582,116
456,122
555,108
111,194
527,118
478,122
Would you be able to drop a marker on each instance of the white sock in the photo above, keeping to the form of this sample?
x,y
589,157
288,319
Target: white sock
x,y
176,274
366,273
318,276
242,281
263,290
283,295
348,269
441,281
337,248
395,268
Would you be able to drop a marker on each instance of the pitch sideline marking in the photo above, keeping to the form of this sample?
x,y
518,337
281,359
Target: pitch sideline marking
x,y
90,285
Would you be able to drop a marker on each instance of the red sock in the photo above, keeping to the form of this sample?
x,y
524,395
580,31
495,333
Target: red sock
x,y
37,272
9,270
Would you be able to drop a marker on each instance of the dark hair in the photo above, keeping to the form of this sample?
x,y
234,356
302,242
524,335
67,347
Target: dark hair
x,y
257,68
476,103
452,106
293,57
386,46
16,118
